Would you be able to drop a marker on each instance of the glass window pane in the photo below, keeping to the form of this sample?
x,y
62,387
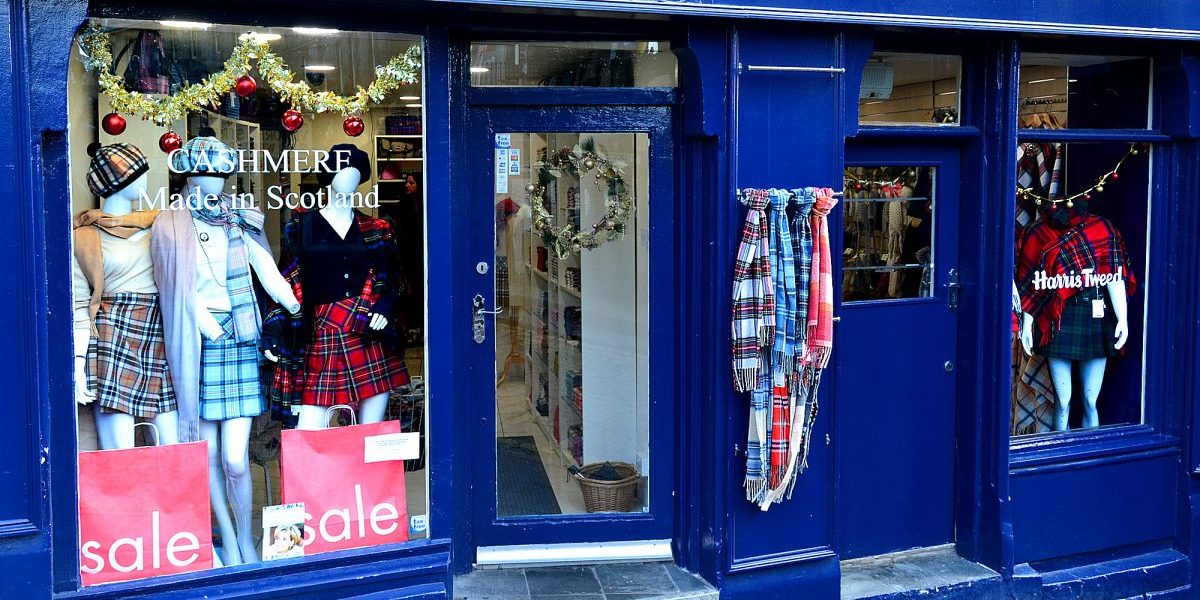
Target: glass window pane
x,y
571,345
1079,289
887,232
909,89
583,64
1077,91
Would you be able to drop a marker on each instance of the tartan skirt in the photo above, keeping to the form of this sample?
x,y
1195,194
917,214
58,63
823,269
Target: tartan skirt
x,y
1081,336
343,366
126,359
229,384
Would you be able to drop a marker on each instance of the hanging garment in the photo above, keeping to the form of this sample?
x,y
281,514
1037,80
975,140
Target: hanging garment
x,y
895,224
1088,242
1080,335
783,274
1033,392
753,295
237,269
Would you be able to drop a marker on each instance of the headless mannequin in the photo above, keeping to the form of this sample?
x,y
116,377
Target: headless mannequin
x,y
229,440
339,212
1091,370
115,429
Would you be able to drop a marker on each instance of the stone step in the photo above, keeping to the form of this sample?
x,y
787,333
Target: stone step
x,y
610,581
936,573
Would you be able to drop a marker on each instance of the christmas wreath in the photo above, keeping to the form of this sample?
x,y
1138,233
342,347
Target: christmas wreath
x,y
608,175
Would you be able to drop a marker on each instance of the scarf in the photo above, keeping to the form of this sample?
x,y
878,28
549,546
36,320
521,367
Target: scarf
x,y
802,250
819,339
783,273
753,295
89,252
244,309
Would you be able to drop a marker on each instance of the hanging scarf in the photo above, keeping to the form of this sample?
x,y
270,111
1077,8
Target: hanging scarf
x,y
753,295
819,340
758,458
783,273
244,309
802,250
88,225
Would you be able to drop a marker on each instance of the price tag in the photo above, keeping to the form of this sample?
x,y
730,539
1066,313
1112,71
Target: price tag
x,y
1098,308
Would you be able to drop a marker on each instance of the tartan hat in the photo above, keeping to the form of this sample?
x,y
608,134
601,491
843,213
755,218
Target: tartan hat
x,y
344,156
204,155
114,167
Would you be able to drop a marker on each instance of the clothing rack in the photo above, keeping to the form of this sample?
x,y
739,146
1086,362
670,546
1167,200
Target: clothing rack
x,y
741,194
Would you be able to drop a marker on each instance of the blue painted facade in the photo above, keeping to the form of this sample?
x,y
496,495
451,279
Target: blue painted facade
x,y
1108,513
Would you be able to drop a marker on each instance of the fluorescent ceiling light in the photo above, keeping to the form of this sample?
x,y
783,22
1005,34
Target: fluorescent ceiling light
x,y
265,37
874,102
412,105
315,31
319,67
410,98
1072,81
186,24
479,69
1042,80
947,93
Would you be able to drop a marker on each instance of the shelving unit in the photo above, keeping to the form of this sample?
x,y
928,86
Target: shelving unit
x,y
239,135
399,155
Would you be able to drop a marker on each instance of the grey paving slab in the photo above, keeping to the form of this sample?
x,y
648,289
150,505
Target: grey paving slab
x,y
562,581
635,578
927,568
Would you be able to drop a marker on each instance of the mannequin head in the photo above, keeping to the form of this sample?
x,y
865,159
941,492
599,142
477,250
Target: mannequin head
x,y
121,201
117,174
205,189
1061,216
345,183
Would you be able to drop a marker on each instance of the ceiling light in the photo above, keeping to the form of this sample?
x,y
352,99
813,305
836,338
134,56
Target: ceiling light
x,y
947,93
264,37
1072,81
479,69
319,67
1042,80
875,102
186,24
418,105
315,31
410,98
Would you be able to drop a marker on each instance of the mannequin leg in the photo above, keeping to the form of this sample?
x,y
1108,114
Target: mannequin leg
x,y
1093,378
211,432
311,417
1060,375
168,428
114,428
235,459
373,409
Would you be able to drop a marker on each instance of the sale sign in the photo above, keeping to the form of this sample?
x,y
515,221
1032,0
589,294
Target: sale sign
x,y
143,512
351,481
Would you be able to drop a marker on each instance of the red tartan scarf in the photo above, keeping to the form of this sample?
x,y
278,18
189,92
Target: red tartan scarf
x,y
820,285
1046,252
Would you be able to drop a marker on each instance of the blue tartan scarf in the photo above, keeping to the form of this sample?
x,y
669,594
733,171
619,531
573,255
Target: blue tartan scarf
x,y
783,273
802,249
244,309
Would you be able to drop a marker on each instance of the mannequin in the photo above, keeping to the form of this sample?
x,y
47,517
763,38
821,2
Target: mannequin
x,y
121,333
320,247
1074,306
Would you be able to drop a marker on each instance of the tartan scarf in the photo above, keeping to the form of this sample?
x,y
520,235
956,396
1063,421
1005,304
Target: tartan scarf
x,y
802,250
1089,242
244,308
820,306
753,295
783,273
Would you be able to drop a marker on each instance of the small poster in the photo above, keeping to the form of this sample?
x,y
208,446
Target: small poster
x,y
503,140
283,531
501,171
514,161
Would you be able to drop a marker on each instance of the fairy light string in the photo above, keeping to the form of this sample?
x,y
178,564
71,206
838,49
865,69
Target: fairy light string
x,y
1098,187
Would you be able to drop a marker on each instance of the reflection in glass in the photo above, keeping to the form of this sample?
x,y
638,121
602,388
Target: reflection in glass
x,y
578,64
887,232
1058,91
909,89
571,344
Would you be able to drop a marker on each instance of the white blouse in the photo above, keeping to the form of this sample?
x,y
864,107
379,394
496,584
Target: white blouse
x,y
127,268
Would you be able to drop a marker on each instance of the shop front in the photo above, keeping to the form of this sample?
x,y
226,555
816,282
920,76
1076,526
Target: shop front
x,y
783,295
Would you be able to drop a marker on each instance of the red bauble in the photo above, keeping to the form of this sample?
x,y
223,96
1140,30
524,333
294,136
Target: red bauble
x,y
169,142
113,124
245,86
292,120
353,126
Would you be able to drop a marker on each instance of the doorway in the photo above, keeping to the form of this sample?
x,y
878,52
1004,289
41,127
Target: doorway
x,y
569,276
898,324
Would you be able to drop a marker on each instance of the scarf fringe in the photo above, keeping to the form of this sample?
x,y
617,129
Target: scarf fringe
x,y
747,379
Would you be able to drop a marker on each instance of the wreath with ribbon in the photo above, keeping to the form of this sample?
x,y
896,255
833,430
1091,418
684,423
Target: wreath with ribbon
x,y
96,51
608,175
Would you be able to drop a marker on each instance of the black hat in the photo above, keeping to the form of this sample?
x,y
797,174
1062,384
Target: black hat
x,y
344,156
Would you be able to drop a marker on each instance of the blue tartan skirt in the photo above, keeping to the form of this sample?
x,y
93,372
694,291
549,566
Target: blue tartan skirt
x,y
1082,336
229,382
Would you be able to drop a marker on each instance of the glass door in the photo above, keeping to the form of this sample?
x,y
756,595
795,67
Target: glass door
x,y
565,316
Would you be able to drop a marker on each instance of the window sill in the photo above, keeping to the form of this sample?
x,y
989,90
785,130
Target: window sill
x,y
953,132
1102,445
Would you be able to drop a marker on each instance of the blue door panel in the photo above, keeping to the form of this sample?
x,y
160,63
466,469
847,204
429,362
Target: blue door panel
x,y
1060,510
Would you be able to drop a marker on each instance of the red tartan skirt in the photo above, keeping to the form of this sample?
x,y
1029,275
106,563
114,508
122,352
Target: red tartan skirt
x,y
343,366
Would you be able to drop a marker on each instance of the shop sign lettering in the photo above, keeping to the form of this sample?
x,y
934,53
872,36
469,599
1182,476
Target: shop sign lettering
x,y
1085,278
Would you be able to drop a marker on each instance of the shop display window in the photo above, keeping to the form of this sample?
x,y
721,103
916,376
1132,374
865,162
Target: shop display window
x,y
1079,290
248,292
887,232
1059,91
573,64
572,344
910,89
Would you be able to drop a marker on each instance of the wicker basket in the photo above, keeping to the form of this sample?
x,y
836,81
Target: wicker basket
x,y
608,496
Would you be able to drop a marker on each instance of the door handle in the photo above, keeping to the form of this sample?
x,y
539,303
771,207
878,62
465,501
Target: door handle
x,y
952,289
478,330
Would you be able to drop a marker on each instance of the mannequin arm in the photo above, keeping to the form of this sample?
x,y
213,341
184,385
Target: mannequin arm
x,y
82,333
268,274
210,328
1120,306
1027,333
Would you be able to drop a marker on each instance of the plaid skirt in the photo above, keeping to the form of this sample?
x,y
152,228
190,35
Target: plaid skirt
x,y
1081,336
229,384
343,366
126,360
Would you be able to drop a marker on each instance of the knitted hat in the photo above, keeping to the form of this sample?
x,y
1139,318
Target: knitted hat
x,y
343,156
204,155
114,167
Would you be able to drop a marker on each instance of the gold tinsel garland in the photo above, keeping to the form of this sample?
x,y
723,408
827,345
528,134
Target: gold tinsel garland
x,y
96,50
